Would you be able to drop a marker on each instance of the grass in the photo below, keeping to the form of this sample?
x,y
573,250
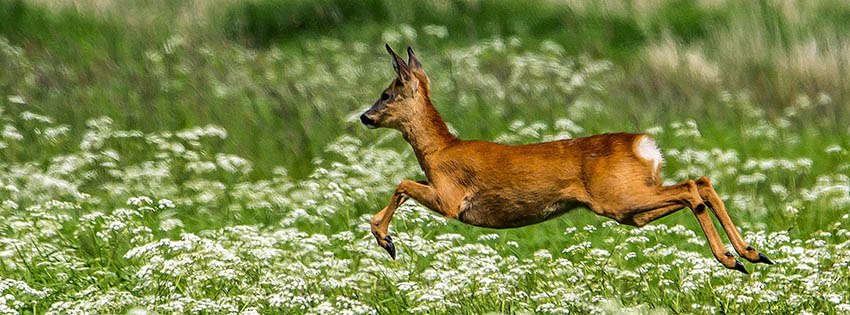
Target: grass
x,y
206,158
672,57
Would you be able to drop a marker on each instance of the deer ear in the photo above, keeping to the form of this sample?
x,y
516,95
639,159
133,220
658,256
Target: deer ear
x,y
412,61
400,67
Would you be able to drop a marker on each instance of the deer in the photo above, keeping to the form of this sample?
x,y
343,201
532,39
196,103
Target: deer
x,y
492,185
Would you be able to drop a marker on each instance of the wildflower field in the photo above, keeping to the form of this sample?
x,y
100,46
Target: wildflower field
x,y
162,157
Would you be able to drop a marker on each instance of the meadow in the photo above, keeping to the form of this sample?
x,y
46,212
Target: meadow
x,y
205,157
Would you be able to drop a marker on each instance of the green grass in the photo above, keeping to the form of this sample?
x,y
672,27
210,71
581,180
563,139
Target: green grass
x,y
273,217
268,23
93,64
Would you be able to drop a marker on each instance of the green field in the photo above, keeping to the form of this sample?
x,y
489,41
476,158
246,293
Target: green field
x,y
205,157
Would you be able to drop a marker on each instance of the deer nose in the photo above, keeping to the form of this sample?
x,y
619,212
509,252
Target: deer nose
x,y
366,120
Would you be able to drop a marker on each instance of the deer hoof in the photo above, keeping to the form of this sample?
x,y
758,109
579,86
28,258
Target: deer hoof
x,y
740,267
390,247
764,259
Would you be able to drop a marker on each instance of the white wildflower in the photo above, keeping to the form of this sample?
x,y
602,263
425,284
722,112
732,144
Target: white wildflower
x,y
437,31
16,99
139,201
11,133
166,204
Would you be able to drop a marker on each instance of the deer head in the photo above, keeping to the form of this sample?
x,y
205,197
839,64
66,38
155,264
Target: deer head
x,y
405,97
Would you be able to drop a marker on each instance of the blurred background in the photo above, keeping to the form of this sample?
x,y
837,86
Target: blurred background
x,y
284,78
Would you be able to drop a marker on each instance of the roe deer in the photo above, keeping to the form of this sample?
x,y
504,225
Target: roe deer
x,y
504,186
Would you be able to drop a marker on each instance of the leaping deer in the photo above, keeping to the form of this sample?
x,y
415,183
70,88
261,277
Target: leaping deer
x,y
504,186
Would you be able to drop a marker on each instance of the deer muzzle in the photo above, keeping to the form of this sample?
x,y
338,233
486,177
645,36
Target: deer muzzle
x,y
369,122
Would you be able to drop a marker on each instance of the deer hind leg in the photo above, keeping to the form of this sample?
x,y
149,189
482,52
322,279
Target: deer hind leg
x,y
707,192
670,199
380,223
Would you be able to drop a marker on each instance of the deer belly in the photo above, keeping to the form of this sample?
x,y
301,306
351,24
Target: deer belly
x,y
499,212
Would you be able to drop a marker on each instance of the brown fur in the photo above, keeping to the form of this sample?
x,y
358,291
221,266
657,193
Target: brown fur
x,y
504,186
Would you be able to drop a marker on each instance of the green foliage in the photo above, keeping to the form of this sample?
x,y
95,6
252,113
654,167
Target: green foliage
x,y
262,23
160,75
833,16
68,33
166,222
685,20
151,164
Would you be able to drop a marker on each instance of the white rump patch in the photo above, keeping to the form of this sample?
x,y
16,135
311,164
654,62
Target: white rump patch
x,y
648,150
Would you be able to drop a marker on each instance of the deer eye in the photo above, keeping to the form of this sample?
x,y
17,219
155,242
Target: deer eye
x,y
385,96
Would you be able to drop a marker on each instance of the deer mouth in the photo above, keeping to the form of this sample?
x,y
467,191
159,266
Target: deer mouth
x,y
369,122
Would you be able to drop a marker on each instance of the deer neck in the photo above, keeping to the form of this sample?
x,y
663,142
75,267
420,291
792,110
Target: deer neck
x,y
427,134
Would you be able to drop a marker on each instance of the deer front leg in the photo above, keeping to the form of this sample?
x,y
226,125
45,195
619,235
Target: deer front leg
x,y
380,223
